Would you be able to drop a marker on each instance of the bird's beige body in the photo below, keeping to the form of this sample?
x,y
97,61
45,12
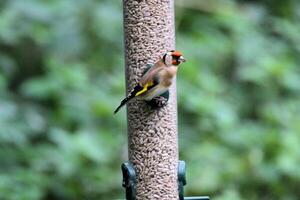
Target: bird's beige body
x,y
166,75
163,74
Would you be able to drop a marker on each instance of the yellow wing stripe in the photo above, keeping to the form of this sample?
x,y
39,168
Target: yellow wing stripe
x,y
145,88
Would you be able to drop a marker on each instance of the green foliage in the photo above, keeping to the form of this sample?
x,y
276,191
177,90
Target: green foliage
x,y
57,140
243,115
62,75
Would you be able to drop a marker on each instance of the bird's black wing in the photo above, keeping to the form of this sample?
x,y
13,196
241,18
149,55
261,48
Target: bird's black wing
x,y
132,94
139,90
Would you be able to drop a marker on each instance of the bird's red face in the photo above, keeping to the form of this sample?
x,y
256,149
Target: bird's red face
x,y
173,58
177,57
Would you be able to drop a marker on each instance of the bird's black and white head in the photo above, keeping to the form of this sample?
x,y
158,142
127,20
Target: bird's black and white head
x,y
173,58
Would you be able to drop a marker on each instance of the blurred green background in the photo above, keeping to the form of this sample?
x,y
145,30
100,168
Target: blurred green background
x,y
62,75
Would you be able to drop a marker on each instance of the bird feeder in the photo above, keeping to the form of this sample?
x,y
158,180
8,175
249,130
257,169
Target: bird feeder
x,y
153,170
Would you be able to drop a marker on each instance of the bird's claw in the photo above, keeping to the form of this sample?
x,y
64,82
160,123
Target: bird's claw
x,y
158,102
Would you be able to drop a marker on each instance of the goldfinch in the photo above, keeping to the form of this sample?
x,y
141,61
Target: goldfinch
x,y
157,79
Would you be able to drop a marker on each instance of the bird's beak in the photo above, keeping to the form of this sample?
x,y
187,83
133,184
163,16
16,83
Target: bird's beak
x,y
182,59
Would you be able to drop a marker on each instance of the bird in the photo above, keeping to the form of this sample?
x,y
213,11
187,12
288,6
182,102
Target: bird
x,y
157,79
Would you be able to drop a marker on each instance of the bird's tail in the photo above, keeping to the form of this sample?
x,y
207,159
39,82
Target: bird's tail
x,y
123,102
131,95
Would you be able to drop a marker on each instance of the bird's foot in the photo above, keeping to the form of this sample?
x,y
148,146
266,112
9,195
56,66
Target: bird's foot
x,y
158,102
